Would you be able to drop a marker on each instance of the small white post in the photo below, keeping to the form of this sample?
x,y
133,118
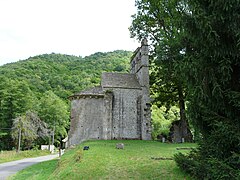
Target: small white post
x,y
163,139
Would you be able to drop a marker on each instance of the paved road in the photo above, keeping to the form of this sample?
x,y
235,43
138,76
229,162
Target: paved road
x,y
10,168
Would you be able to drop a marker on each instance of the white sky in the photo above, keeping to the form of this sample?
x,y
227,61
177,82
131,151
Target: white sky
x,y
74,27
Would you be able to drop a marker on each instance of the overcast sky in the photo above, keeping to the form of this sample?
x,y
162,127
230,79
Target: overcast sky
x,y
74,27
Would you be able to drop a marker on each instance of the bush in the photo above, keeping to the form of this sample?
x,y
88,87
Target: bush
x,y
35,147
210,168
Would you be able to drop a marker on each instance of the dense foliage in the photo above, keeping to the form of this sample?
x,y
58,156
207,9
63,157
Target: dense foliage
x,y
43,83
27,128
206,38
159,22
162,119
212,70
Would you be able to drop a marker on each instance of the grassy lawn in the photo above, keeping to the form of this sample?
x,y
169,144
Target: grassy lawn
x,y
138,160
7,156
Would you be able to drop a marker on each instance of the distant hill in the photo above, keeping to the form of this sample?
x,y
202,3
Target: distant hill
x,y
24,83
64,74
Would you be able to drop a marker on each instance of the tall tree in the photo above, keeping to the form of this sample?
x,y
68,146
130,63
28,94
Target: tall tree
x,y
212,70
27,128
207,42
54,111
160,21
15,99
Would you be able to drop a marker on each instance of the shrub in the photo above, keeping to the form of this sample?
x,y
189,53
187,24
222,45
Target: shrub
x,y
209,168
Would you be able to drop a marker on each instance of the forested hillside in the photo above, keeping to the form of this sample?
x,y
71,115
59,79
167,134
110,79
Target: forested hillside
x,y
42,84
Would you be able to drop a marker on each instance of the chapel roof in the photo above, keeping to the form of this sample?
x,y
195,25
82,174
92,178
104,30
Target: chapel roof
x,y
110,80
120,80
91,91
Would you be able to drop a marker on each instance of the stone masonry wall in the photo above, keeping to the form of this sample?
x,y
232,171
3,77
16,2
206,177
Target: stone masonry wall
x,y
125,120
90,118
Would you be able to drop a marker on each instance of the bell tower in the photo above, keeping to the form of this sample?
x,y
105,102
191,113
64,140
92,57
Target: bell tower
x,y
140,64
140,67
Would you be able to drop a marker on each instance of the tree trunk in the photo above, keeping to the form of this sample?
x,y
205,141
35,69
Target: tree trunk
x,y
184,127
49,141
53,137
19,140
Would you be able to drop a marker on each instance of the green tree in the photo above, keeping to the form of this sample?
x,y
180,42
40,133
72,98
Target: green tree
x,y
54,111
205,53
212,70
27,128
162,120
15,99
160,21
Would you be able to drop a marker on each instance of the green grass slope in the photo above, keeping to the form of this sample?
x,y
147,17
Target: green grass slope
x,y
138,160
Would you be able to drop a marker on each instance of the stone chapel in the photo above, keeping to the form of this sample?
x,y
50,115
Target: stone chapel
x,y
117,109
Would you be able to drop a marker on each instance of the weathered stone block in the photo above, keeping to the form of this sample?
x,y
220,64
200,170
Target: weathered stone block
x,y
120,146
